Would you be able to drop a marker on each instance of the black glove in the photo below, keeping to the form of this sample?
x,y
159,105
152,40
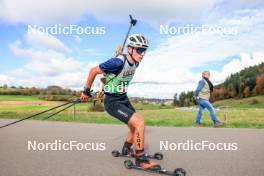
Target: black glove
x,y
87,91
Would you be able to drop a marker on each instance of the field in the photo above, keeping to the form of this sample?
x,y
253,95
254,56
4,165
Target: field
x,y
242,113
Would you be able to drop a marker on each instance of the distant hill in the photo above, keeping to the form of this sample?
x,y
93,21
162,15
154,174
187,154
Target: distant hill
x,y
250,102
246,83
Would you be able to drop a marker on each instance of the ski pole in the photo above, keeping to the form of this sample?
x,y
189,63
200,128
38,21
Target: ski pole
x,y
20,120
120,49
59,111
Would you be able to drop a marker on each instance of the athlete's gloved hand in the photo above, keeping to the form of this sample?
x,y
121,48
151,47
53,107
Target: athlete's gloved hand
x,y
86,94
84,97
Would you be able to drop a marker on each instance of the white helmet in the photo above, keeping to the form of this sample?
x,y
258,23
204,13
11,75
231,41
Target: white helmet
x,y
137,41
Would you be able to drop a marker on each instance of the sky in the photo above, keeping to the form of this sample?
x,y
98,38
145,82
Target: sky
x,y
186,38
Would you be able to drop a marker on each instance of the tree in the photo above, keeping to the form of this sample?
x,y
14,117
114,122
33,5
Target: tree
x,y
34,91
246,92
54,90
259,85
175,99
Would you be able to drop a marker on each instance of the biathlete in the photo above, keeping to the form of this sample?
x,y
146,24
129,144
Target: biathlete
x,y
118,74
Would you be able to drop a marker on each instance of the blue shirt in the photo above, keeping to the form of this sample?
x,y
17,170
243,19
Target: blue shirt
x,y
199,87
113,65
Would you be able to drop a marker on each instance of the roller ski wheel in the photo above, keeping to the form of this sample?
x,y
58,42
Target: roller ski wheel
x,y
179,172
157,156
158,170
128,164
115,153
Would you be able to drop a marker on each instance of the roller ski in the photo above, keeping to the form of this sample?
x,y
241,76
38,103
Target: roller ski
x,y
144,164
157,156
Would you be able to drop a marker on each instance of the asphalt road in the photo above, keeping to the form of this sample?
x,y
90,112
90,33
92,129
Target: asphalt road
x,y
16,159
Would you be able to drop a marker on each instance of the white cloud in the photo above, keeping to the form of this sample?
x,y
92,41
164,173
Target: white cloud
x,y
172,61
44,40
178,54
4,80
186,80
47,64
236,65
153,11
42,11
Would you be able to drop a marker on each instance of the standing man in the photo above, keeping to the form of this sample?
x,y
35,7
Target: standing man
x,y
119,73
202,96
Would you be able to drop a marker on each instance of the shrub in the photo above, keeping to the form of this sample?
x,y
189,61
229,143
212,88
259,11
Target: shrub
x,y
97,108
56,97
254,101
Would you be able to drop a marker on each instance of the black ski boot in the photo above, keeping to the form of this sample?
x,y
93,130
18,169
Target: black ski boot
x,y
127,149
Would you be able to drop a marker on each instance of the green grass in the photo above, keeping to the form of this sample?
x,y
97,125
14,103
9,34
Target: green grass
x,y
242,115
142,106
251,102
18,98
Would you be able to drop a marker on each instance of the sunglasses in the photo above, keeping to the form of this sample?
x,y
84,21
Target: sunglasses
x,y
141,50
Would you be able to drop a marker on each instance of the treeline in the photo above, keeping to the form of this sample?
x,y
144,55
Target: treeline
x,y
183,99
51,93
246,83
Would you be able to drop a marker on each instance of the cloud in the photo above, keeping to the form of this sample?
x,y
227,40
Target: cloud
x,y
48,63
42,11
40,39
183,81
153,11
4,79
157,11
178,54
170,64
45,59
236,65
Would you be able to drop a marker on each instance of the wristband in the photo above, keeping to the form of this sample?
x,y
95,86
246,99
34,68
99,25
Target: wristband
x,y
87,91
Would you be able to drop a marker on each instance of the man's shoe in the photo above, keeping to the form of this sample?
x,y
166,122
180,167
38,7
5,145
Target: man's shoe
x,y
197,125
218,124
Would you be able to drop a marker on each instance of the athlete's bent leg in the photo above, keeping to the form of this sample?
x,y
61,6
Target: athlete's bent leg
x,y
137,122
